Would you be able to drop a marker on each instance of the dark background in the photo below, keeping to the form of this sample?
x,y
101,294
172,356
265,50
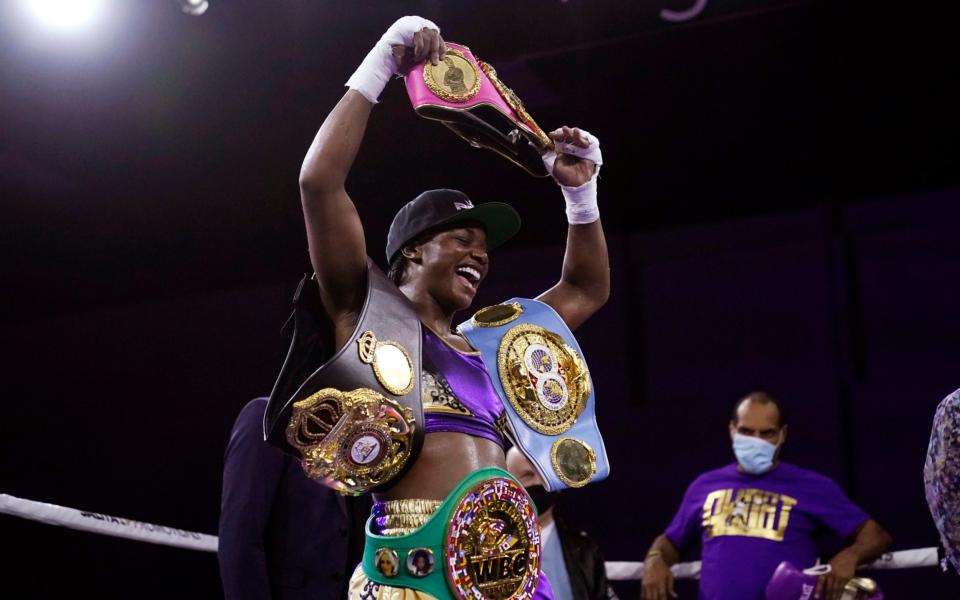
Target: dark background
x,y
780,194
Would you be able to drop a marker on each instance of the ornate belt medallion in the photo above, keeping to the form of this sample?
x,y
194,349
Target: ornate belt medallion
x,y
493,543
497,315
544,379
574,461
454,78
390,361
353,441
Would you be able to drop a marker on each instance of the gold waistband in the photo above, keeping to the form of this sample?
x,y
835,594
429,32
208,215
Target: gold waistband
x,y
406,516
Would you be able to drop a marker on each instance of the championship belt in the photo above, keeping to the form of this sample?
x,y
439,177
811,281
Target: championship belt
x,y
465,94
354,417
483,542
539,371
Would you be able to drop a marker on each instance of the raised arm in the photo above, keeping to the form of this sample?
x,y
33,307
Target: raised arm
x,y
584,284
334,232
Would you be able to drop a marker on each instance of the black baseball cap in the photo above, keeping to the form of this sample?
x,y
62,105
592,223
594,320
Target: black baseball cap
x,y
444,209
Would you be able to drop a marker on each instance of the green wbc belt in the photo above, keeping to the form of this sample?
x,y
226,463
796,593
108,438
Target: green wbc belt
x,y
482,542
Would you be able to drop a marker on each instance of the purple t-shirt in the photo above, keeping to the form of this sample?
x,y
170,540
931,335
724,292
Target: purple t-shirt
x,y
749,524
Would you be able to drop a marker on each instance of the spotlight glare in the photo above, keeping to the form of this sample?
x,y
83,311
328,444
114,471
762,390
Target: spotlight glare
x,y
194,7
66,15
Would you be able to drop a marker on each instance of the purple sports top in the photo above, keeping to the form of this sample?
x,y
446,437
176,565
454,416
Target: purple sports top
x,y
457,393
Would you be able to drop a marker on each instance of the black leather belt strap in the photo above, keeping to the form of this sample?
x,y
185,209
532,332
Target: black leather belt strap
x,y
313,363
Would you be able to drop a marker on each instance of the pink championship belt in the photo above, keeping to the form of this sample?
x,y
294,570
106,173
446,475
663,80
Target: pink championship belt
x,y
465,94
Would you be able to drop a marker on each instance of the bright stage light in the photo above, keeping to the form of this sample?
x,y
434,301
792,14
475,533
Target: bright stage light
x,y
66,15
194,7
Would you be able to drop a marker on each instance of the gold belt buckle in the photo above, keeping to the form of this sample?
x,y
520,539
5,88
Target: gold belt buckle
x,y
351,441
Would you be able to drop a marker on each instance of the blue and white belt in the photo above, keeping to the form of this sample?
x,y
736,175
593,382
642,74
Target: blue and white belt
x,y
539,371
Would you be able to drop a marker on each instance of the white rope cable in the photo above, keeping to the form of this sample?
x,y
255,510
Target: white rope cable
x,y
903,559
181,538
906,559
633,570
106,524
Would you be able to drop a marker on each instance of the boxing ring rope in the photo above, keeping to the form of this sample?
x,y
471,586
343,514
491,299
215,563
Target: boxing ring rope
x,y
902,559
52,514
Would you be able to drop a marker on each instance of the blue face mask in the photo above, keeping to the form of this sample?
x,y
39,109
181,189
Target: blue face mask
x,y
753,454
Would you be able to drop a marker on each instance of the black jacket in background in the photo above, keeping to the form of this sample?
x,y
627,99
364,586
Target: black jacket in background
x,y
584,562
282,535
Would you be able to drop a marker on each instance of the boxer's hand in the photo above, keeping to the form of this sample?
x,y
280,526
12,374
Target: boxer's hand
x,y
657,578
570,170
842,568
421,36
427,45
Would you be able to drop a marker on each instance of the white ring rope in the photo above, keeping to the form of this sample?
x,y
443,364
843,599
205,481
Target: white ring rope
x,y
903,559
180,538
105,524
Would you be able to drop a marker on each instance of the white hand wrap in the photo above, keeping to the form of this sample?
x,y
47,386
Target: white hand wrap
x,y
582,200
379,66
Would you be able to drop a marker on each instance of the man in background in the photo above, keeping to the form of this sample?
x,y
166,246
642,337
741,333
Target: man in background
x,y
757,512
571,560
282,535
